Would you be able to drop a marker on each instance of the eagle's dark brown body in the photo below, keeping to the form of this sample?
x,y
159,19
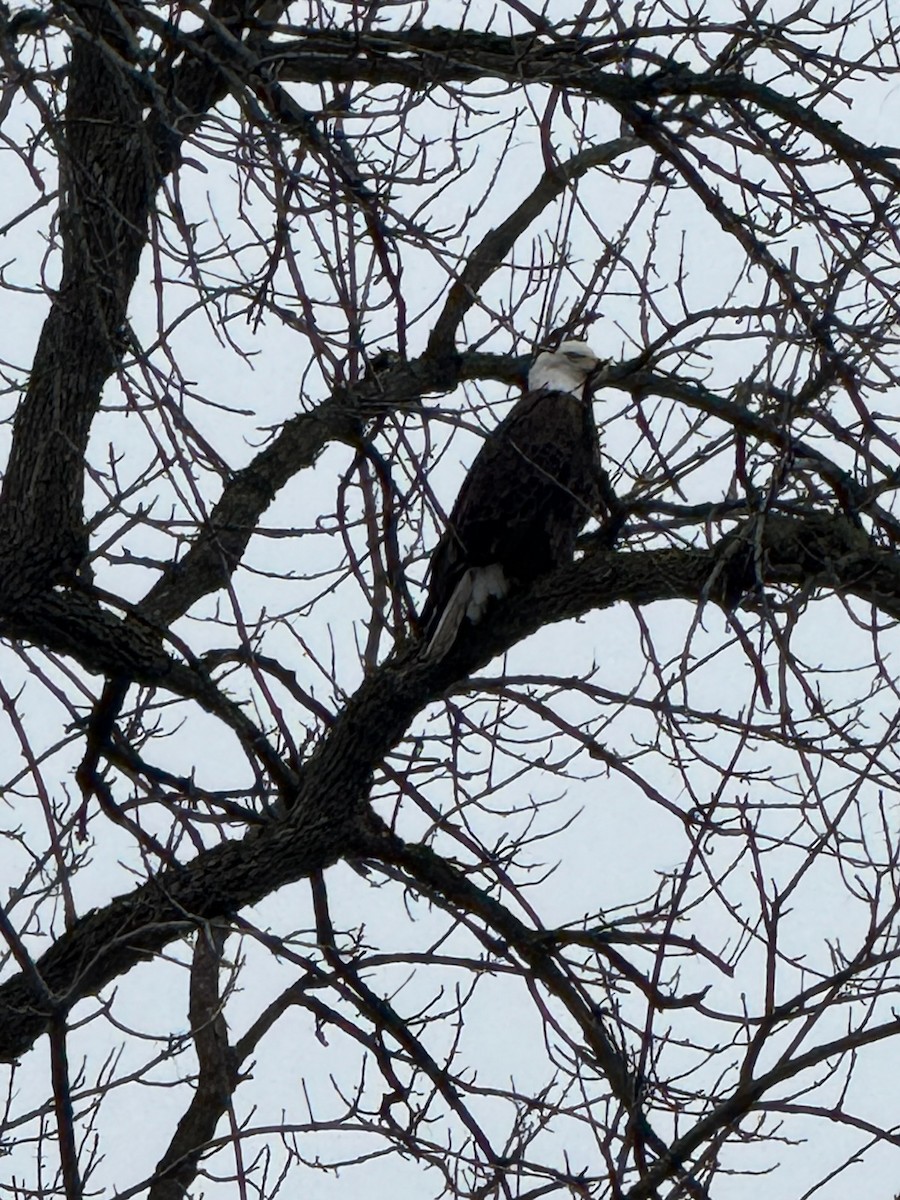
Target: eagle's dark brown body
x,y
531,488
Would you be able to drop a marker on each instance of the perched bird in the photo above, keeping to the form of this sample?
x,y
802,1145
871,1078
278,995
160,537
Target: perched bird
x,y
533,485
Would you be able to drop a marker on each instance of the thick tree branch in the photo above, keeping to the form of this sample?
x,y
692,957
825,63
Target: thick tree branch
x,y
111,164
324,823
109,180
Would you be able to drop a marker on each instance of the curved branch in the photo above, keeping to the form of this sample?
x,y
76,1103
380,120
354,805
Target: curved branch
x,y
487,257
217,550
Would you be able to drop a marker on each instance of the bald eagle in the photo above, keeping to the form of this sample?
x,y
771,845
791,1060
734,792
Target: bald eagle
x,y
533,485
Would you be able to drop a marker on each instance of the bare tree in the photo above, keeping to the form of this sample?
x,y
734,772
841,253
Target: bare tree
x,y
603,903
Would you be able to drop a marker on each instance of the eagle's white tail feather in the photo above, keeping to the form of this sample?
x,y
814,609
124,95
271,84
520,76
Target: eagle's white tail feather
x,y
451,618
469,599
488,583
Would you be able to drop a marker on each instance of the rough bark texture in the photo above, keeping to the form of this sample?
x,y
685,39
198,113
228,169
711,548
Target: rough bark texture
x,y
108,187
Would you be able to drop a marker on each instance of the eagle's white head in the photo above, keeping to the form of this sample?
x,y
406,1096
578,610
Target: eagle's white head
x,y
565,369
